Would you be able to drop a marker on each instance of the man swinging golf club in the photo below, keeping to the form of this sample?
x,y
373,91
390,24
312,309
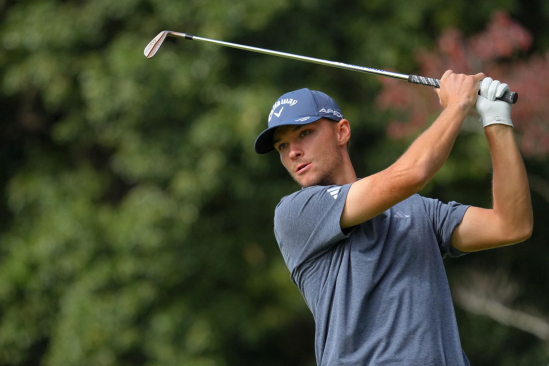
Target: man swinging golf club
x,y
367,253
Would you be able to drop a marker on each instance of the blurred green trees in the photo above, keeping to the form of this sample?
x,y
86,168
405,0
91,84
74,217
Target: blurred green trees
x,y
137,220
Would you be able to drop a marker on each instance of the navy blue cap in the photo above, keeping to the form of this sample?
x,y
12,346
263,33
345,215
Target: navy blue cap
x,y
298,107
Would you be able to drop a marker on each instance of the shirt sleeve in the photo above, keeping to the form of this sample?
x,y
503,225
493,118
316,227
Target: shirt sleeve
x,y
444,218
306,223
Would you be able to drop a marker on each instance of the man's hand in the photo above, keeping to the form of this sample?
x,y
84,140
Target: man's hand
x,y
493,111
459,90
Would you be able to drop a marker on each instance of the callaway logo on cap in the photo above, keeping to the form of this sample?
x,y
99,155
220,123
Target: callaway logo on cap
x,y
298,107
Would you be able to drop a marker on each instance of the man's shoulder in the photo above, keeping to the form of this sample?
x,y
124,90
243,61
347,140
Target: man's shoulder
x,y
304,195
302,192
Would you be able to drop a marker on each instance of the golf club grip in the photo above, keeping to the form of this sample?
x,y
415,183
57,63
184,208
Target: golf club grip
x,y
510,97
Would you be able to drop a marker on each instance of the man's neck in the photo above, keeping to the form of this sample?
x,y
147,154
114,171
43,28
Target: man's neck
x,y
347,173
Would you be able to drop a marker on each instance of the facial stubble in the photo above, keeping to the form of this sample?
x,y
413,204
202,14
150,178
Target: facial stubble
x,y
327,168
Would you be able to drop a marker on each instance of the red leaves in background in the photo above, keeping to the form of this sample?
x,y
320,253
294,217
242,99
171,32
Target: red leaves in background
x,y
501,39
494,52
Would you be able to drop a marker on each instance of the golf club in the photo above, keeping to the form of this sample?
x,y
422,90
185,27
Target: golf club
x,y
153,46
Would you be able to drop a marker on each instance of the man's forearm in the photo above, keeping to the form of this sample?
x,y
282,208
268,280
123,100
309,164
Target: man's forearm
x,y
511,193
430,150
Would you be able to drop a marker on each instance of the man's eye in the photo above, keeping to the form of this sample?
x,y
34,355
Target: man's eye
x,y
305,132
282,146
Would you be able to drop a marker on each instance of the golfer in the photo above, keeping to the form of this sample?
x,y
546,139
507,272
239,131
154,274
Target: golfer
x,y
367,253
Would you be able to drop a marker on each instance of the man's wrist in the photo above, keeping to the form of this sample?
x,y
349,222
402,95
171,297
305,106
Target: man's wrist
x,y
457,109
498,128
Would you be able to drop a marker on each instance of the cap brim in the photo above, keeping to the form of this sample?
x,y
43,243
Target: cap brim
x,y
264,142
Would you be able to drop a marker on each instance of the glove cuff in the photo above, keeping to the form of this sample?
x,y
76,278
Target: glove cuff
x,y
497,120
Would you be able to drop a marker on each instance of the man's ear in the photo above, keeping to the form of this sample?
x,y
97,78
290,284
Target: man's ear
x,y
343,132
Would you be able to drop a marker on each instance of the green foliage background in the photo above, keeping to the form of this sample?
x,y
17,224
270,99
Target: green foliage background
x,y
136,219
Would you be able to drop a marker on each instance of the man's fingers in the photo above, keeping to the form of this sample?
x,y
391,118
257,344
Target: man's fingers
x,y
479,76
493,89
446,74
485,86
501,90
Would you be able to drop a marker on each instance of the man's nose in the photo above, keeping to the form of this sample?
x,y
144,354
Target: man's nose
x,y
295,151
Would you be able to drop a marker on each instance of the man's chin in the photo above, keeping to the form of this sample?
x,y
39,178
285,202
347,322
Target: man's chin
x,y
308,181
304,182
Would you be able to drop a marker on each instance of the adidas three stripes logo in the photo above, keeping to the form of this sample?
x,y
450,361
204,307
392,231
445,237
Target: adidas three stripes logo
x,y
334,191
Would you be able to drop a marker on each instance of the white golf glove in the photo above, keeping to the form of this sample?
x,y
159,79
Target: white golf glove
x,y
493,111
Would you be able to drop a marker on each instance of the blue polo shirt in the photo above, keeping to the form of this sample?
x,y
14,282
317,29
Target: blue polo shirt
x,y
378,291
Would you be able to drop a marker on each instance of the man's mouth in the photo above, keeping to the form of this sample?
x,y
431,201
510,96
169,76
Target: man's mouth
x,y
302,167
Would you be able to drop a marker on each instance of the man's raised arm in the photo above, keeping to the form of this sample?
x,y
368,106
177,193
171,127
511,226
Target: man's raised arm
x,y
511,219
373,195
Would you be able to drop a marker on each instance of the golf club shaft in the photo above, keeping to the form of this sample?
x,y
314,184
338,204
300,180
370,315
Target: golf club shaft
x,y
305,58
509,96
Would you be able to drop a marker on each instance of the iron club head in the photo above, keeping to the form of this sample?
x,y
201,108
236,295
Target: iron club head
x,y
155,44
